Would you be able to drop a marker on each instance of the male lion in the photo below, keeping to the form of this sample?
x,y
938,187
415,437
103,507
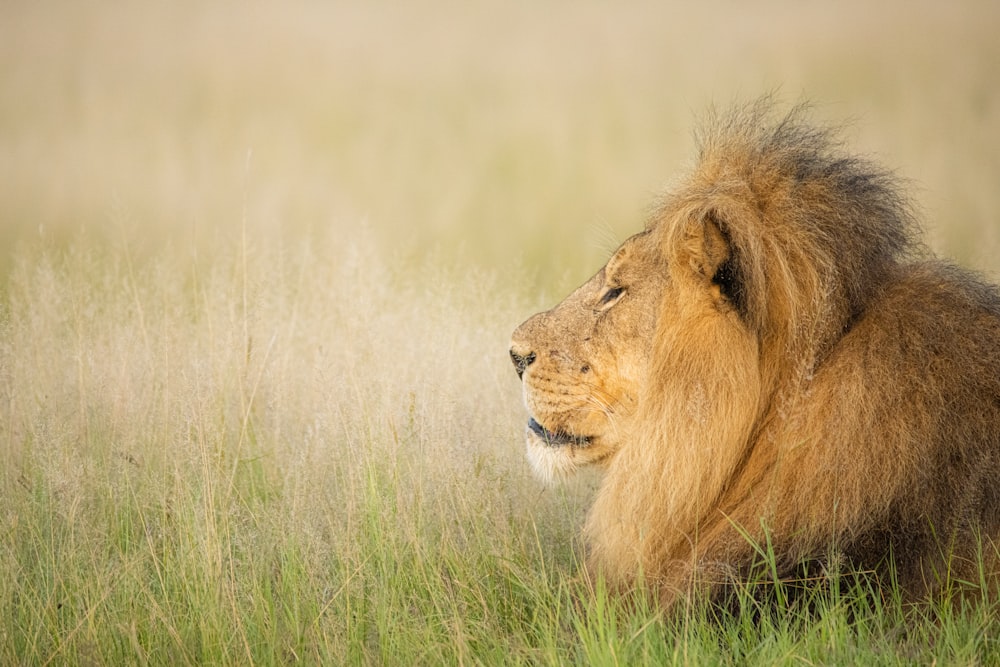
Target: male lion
x,y
775,360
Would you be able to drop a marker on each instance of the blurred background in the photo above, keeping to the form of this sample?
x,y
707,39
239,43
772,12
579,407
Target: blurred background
x,y
524,137
259,266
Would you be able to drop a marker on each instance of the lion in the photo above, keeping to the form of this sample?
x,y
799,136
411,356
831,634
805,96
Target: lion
x,y
775,360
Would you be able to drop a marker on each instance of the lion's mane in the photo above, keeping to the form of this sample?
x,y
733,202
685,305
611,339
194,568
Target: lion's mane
x,y
853,407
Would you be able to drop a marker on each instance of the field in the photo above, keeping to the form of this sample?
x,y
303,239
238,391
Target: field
x,y
259,264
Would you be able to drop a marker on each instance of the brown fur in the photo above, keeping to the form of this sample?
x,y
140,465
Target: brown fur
x,y
780,364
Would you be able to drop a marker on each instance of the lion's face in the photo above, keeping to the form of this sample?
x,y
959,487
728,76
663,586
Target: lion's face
x,y
583,363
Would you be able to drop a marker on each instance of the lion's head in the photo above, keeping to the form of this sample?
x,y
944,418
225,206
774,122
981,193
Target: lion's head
x,y
584,363
751,361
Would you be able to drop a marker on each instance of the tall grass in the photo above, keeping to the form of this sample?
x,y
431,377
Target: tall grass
x,y
260,264
237,466
223,466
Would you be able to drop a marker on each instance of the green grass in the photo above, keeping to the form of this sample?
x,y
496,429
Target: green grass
x,y
177,493
258,271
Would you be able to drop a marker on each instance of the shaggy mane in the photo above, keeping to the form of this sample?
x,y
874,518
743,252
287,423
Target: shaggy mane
x,y
843,395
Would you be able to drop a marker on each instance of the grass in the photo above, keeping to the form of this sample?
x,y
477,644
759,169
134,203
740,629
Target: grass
x,y
176,492
259,271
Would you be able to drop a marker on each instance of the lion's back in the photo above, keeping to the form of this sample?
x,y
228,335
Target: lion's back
x,y
910,400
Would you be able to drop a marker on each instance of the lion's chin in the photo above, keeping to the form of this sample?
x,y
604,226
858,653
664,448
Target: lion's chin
x,y
550,464
553,463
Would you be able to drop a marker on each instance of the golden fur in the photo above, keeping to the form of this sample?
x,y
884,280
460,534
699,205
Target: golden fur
x,y
774,358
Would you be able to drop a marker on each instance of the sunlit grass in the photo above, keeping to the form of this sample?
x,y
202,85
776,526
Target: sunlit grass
x,y
238,468
260,265
205,468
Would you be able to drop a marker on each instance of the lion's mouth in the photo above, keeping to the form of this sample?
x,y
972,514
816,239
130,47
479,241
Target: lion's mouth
x,y
557,438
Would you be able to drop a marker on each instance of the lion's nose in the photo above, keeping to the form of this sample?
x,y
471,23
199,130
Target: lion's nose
x,y
521,360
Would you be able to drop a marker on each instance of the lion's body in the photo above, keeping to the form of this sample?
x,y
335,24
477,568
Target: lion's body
x,y
767,361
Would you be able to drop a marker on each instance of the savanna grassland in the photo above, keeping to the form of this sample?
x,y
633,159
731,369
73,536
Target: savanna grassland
x,y
259,263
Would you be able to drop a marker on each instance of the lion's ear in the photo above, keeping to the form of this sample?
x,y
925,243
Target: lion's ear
x,y
714,258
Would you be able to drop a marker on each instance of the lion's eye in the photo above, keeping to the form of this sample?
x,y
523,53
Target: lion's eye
x,y
612,294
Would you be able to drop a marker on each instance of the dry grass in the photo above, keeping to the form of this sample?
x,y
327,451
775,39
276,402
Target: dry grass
x,y
260,266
